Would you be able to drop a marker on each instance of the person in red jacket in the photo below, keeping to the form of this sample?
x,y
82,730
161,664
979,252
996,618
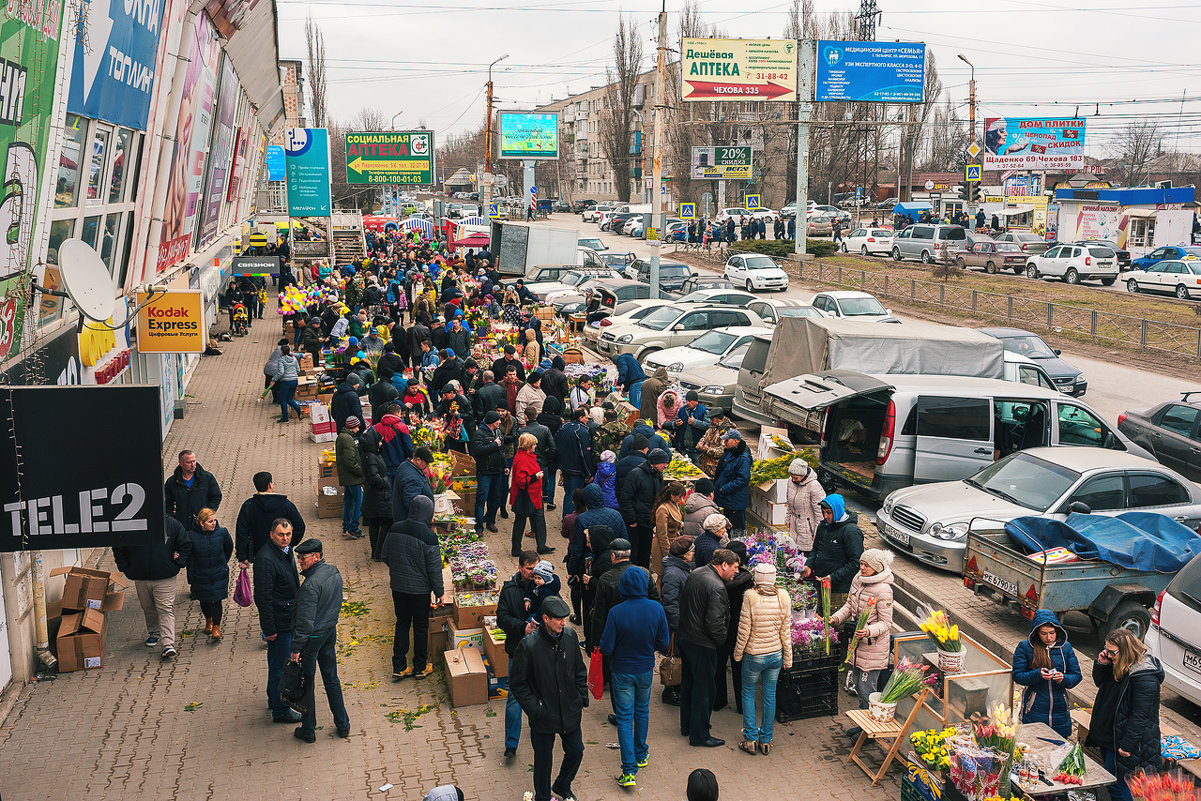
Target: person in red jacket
x,y
525,495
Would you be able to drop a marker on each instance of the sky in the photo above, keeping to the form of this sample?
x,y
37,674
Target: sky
x,y
1114,61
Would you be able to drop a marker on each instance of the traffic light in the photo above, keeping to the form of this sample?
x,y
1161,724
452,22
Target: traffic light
x,y
973,191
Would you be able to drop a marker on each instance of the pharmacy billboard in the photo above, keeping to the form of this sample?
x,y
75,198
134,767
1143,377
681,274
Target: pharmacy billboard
x,y
390,157
739,69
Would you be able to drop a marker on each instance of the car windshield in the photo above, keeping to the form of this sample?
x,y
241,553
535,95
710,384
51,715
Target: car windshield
x,y
575,279
660,318
673,271
733,359
1025,480
1101,253
798,311
713,342
760,263
860,307
595,244
1029,346
879,232
1008,247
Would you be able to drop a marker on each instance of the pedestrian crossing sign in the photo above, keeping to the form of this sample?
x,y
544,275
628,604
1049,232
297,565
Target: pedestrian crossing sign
x,y
687,211
971,172
752,202
492,212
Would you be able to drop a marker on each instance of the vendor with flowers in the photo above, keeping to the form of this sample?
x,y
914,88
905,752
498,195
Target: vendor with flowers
x,y
869,603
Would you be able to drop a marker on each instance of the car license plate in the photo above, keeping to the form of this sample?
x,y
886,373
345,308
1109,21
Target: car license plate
x,y
1000,583
896,534
1192,660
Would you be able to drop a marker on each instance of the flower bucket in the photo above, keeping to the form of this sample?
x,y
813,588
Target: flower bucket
x,y
880,711
951,662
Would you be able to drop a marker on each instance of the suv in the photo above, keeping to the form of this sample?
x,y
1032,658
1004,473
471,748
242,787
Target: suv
x,y
1075,263
672,274
671,326
590,213
924,242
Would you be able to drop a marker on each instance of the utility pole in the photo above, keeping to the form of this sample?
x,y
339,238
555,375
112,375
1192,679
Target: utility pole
x,y
807,56
486,179
657,168
971,126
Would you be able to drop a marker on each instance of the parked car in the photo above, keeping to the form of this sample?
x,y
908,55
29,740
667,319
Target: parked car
x,y
867,241
570,288
592,242
590,213
610,292
1179,252
819,225
990,256
635,227
1075,263
697,282
736,212
581,205
732,296
714,382
705,349
672,274
615,222
618,261
853,305
626,312
1068,379
561,207
1031,244
788,212
924,241
773,309
1179,278
1174,637
755,271
669,327
1122,254
887,203
1171,431
931,522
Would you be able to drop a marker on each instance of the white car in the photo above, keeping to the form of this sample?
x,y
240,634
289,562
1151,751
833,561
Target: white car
x,y
1181,278
1075,263
626,312
590,214
1175,634
755,271
930,521
670,327
705,349
592,242
867,241
735,212
718,295
772,309
633,227
852,305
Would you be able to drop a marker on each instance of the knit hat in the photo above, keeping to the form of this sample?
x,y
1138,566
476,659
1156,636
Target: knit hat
x,y
714,523
352,422
692,396
799,468
680,545
764,573
658,456
491,417
639,442
877,559
704,486
545,571
609,456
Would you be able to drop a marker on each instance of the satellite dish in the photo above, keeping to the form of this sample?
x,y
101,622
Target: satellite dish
x,y
86,279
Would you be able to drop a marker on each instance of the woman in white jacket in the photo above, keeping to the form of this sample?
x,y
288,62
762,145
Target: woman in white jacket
x,y
764,647
804,500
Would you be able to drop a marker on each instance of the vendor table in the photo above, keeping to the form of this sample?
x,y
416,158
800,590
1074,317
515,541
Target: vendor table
x,y
1036,736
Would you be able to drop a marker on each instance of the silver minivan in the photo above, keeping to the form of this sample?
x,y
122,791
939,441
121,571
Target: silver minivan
x,y
880,433
925,242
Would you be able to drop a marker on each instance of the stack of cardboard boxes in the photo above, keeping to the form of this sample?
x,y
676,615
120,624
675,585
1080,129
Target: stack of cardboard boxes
x,y
471,676
329,491
82,627
321,426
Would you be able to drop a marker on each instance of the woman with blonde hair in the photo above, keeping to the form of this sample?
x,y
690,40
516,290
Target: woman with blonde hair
x,y
208,570
1125,722
667,407
764,647
525,495
667,512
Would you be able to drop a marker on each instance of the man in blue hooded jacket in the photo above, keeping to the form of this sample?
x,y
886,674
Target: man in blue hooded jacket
x,y
1045,664
837,546
630,377
732,481
635,629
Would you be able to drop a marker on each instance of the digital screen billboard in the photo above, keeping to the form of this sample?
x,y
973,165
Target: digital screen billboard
x,y
527,135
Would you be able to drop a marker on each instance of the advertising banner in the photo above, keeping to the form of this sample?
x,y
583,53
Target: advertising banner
x,y
739,69
29,52
1023,185
50,502
524,135
219,154
1098,220
879,72
722,162
173,323
275,163
112,76
1019,143
390,157
306,156
254,266
191,143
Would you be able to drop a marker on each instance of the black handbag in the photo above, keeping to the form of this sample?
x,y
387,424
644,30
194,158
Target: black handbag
x,y
293,687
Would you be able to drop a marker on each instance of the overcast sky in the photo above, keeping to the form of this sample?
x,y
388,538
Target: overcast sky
x,y
1032,58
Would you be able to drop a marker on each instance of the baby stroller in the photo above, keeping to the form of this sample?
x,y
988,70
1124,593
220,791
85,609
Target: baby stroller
x,y
241,320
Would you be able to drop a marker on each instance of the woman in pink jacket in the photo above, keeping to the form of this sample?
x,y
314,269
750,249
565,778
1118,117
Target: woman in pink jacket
x,y
804,502
871,588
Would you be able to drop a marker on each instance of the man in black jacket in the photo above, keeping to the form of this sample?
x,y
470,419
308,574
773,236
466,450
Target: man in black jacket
x,y
837,546
190,489
257,516
636,498
551,684
153,569
411,482
554,380
574,445
490,471
449,369
704,622
346,402
488,395
501,365
382,393
415,572
514,618
275,586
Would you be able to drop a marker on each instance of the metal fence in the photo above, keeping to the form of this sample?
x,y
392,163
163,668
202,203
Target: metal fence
x,y
1077,322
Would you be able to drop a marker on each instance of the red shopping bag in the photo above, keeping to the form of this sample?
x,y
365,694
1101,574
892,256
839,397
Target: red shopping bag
x,y
596,674
243,595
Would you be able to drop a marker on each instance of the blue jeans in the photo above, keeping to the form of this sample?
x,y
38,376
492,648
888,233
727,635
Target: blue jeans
x,y
571,483
278,652
287,393
1118,791
320,651
632,697
756,669
488,497
512,722
635,394
352,508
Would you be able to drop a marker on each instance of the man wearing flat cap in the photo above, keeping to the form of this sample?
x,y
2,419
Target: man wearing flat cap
x,y
315,637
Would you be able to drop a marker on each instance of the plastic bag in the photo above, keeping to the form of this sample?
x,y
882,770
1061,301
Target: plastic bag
x,y
243,595
596,674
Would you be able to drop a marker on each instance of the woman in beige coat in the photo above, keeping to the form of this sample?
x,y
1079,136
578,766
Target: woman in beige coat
x,y
804,498
871,585
669,520
531,355
764,646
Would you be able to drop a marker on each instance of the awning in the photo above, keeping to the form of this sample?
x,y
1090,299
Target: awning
x,y
1142,214
910,208
426,226
473,221
1014,211
250,31
476,240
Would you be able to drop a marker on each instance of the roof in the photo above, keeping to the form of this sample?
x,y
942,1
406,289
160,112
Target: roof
x,y
1082,458
1005,333
951,383
838,294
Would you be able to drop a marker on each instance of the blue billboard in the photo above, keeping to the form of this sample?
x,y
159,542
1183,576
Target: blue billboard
x,y
112,78
275,163
306,154
879,72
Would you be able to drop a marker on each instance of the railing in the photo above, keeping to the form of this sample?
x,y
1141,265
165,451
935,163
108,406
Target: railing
x,y
1092,325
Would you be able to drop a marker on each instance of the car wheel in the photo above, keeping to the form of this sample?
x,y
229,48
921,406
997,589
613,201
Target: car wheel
x,y
648,352
1071,276
989,268
1032,272
1108,281
1132,286
1129,615
927,258
844,247
1182,292
896,254
960,263
749,286
1017,270
862,250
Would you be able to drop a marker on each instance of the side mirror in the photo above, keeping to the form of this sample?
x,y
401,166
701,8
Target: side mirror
x,y
695,274
1080,508
1057,351
678,327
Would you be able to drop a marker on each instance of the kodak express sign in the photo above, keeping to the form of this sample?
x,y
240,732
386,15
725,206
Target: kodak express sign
x,y
172,323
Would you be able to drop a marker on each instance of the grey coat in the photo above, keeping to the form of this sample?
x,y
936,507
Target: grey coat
x,y
318,603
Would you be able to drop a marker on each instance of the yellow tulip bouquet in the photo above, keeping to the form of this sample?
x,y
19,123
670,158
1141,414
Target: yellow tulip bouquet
x,y
942,634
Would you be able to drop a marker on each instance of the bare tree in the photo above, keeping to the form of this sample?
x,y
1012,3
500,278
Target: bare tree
x,y
1134,148
345,194
316,67
617,119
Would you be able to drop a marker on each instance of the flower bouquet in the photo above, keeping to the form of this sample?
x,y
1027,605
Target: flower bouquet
x,y
1071,769
906,680
809,638
860,625
998,731
976,771
825,595
945,638
1169,786
933,747
803,593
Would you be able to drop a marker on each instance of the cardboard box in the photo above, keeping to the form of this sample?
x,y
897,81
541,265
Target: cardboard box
x,y
324,438
773,514
80,640
466,676
772,491
327,470
459,636
767,450
472,617
462,464
495,651
325,397
90,589
306,388
498,686
465,488
329,502
436,639
305,360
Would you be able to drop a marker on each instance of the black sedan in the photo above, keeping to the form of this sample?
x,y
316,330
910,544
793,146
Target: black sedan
x,y
1171,431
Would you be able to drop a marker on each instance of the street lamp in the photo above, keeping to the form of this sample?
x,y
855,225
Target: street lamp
x,y
394,116
971,210
487,193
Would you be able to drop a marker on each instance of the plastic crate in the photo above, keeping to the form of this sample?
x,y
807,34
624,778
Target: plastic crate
x,y
807,693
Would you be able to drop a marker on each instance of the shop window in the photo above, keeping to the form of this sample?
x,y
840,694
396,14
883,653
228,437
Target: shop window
x,y
66,187
91,230
1142,232
123,158
108,244
51,308
96,167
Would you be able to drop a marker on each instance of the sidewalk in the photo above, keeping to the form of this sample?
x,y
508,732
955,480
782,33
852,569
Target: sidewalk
x,y
198,727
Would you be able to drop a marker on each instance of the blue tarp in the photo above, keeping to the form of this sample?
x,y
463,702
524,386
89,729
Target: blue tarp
x,y
910,208
1134,540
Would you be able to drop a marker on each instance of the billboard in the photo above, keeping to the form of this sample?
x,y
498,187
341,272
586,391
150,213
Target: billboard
x,y
722,162
739,69
526,135
879,72
219,154
112,76
306,155
390,157
275,162
1020,143
172,323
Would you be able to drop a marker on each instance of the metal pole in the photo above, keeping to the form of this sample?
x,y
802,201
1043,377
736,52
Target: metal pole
x,y
807,51
486,178
971,111
909,157
657,166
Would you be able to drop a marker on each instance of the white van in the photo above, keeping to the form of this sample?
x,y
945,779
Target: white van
x,y
633,208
